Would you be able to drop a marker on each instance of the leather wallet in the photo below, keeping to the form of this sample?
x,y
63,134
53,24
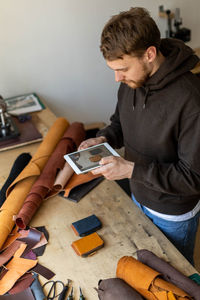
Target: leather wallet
x,y
86,225
88,244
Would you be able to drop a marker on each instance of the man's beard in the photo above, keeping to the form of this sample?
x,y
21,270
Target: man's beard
x,y
137,84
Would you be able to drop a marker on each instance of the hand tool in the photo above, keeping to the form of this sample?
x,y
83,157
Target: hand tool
x,y
64,291
70,297
53,287
81,295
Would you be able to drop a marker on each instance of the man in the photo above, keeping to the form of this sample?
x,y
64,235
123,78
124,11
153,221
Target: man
x,y
157,119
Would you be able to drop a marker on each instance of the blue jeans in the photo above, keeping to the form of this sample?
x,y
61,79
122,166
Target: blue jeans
x,y
182,234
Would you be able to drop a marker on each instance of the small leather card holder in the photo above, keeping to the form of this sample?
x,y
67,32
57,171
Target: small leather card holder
x,y
86,226
88,244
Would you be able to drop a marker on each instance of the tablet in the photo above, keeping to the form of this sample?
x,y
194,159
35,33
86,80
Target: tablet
x,y
88,159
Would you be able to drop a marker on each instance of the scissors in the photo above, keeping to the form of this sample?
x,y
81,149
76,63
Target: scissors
x,y
53,287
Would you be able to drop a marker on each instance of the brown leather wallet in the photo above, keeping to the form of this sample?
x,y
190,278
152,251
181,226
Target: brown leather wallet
x,y
88,244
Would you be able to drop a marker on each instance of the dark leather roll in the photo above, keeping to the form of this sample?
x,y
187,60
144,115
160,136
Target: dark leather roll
x,y
169,273
19,164
116,289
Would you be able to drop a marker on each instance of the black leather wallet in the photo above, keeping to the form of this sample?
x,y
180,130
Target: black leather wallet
x,y
86,225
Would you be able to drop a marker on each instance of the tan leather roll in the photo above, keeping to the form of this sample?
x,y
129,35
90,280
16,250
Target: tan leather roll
x,y
147,281
21,186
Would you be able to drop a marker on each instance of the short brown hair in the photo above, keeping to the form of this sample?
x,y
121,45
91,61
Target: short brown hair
x,y
130,32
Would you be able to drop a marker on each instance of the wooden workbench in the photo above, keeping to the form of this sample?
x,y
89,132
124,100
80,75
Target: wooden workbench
x,y
125,229
196,70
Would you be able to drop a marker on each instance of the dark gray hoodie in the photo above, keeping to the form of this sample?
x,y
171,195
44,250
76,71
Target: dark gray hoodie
x,y
159,125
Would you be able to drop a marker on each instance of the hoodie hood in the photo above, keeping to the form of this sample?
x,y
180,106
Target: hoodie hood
x,y
179,59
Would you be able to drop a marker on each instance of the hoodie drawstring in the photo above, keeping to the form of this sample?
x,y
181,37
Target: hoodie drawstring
x,y
145,98
134,99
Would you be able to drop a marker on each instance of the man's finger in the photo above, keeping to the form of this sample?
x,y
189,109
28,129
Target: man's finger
x,y
106,160
85,144
99,170
96,171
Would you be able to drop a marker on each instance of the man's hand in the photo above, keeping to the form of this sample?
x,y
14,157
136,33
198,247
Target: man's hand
x,y
114,168
92,142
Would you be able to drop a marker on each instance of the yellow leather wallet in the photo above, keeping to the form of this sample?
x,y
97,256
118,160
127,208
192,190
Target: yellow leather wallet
x,y
88,244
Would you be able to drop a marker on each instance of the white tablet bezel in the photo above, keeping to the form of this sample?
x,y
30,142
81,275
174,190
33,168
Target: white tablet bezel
x,y
75,167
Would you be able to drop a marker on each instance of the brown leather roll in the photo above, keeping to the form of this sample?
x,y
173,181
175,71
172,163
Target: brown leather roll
x,y
43,187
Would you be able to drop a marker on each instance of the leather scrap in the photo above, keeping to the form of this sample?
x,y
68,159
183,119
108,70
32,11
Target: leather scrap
x,y
16,268
6,255
39,248
78,192
31,240
3,272
24,295
63,177
41,243
77,180
45,272
30,255
11,238
22,283
44,230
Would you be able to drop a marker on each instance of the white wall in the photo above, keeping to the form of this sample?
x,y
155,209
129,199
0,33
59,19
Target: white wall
x,y
51,47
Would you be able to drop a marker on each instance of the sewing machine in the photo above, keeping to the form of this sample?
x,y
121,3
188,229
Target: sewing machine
x,y
180,33
8,128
